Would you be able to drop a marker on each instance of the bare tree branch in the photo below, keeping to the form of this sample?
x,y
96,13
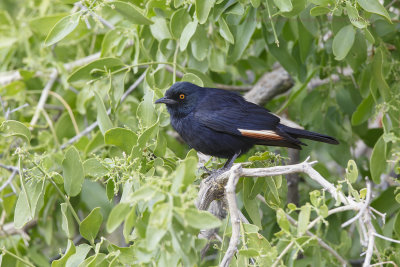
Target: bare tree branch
x,y
230,190
270,85
43,97
363,209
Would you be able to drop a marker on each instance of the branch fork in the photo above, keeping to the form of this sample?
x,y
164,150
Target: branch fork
x,y
225,184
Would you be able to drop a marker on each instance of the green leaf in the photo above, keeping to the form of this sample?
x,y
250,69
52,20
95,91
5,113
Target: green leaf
x,y
355,19
369,36
298,6
94,168
225,31
184,174
343,41
282,54
130,12
282,220
192,78
319,10
28,201
62,28
374,6
159,222
273,189
396,226
43,24
64,258
110,189
364,111
145,111
117,216
284,5
15,128
123,138
90,226
304,219
187,34
72,172
117,89
203,8
243,34
200,44
250,204
161,145
159,29
143,139
378,160
179,20
85,73
145,193
102,118
351,171
66,224
201,219
377,71
81,252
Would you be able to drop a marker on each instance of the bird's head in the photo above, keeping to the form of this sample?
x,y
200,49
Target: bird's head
x,y
181,98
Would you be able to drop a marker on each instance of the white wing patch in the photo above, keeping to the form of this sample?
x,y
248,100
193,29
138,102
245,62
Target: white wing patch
x,y
261,134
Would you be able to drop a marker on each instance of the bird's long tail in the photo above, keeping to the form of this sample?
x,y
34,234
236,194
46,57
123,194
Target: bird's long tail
x,y
299,133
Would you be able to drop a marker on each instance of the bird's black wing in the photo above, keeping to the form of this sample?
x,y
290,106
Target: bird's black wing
x,y
230,113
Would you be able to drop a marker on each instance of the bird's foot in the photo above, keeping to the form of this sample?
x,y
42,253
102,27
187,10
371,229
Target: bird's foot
x,y
215,173
205,170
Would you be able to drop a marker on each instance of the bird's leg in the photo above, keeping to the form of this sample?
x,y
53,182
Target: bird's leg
x,y
228,164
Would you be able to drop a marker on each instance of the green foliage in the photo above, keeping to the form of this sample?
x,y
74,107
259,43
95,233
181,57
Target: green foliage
x,y
130,175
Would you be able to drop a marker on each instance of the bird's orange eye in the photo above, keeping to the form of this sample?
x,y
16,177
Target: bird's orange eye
x,y
182,96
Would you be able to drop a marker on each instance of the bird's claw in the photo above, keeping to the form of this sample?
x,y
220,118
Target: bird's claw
x,y
215,173
204,168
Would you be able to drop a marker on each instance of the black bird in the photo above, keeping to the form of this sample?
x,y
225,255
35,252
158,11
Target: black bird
x,y
220,123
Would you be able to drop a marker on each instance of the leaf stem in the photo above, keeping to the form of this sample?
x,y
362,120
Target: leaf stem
x,y
66,201
5,251
68,108
272,24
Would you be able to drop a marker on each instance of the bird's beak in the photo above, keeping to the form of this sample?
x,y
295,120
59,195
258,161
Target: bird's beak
x,y
165,100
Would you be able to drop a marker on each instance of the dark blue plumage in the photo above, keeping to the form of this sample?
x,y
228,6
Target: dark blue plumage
x,y
221,123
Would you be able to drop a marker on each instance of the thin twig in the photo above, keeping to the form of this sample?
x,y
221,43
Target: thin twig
x,y
230,190
68,108
384,262
289,246
9,168
9,180
387,238
320,242
43,96
363,208
370,247
5,251
370,228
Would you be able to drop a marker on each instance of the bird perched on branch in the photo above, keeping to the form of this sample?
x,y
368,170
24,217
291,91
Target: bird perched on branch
x,y
220,123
